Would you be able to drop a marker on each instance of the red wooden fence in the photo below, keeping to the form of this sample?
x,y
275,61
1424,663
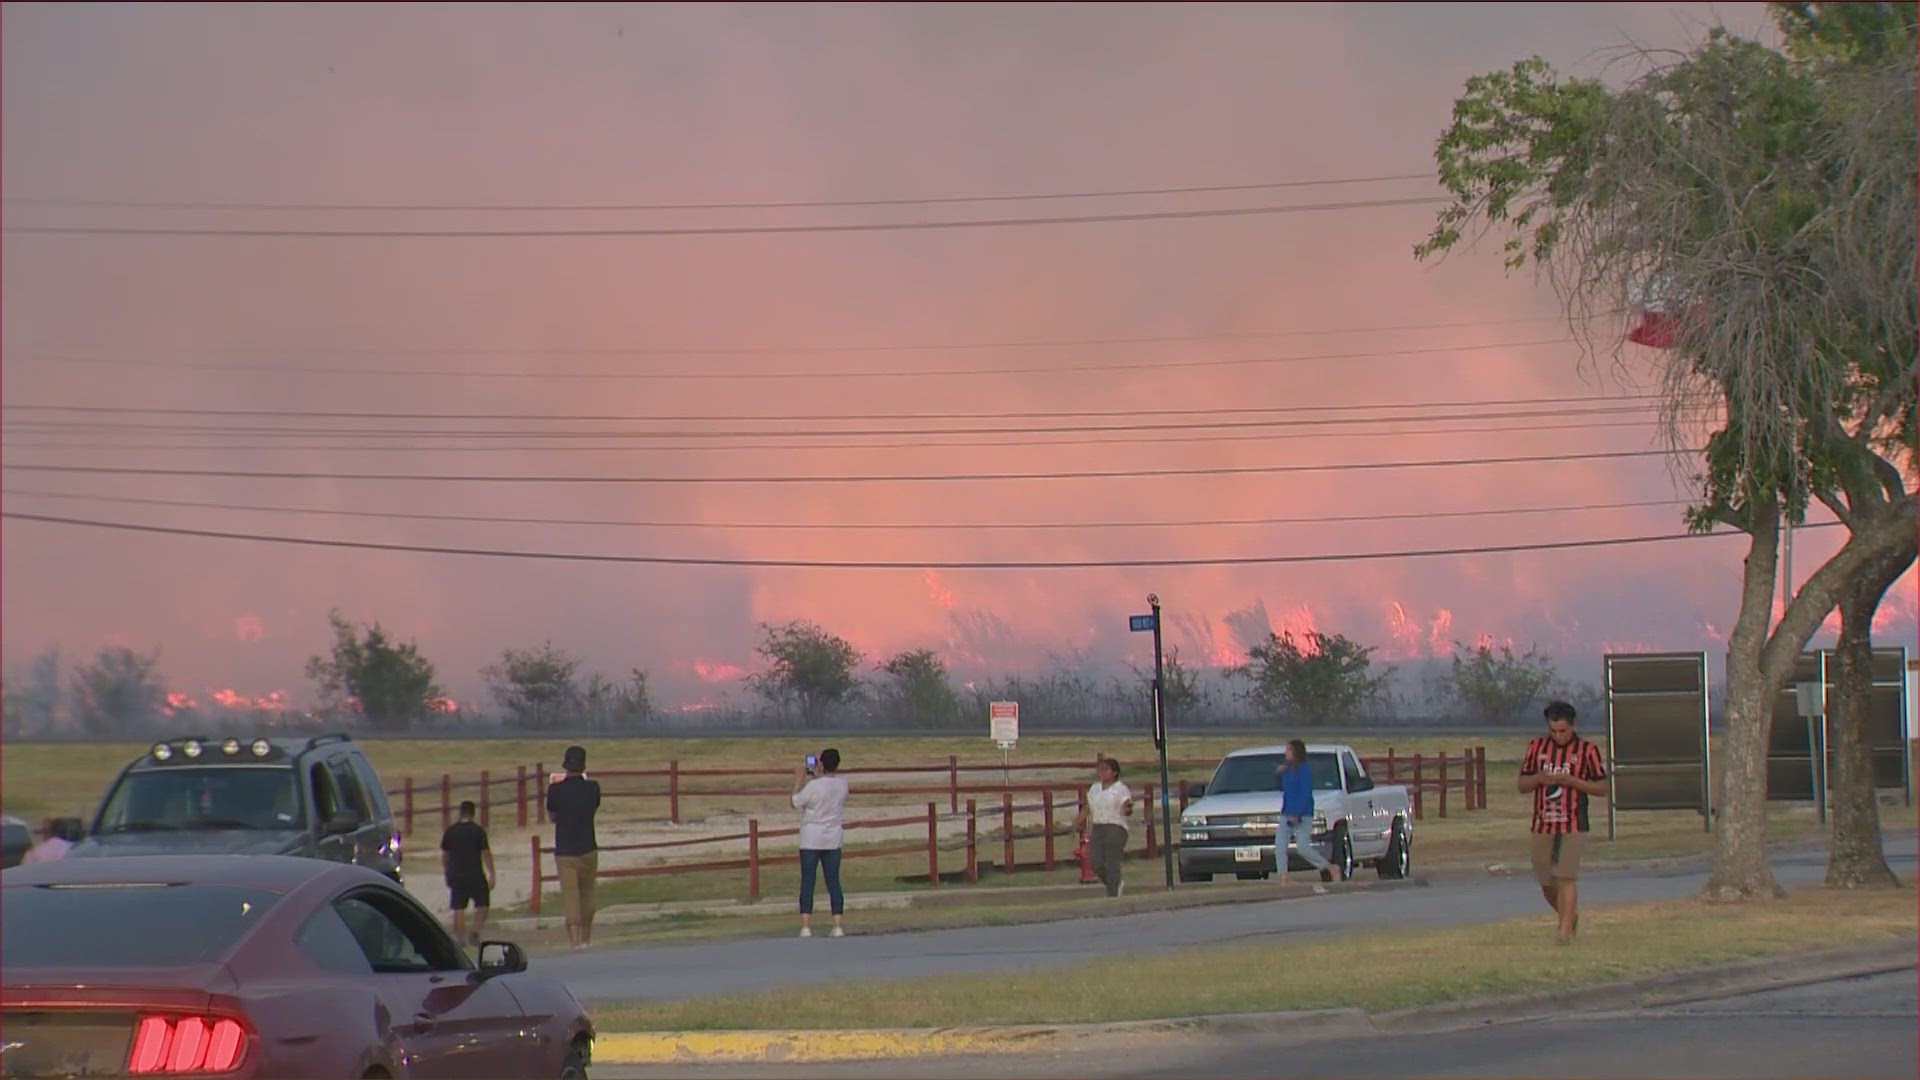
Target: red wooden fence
x,y
526,789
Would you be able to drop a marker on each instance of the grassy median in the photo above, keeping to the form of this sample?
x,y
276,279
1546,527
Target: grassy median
x,y
1375,971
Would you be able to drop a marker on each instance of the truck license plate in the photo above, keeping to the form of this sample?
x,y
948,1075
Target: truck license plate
x,y
1246,854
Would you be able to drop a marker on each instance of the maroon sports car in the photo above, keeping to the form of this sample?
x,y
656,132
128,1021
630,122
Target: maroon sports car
x,y
259,966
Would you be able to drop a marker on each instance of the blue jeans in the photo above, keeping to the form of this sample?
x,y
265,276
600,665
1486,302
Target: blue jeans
x,y
828,860
1301,832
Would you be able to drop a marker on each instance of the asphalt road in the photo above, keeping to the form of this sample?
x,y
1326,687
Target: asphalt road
x,y
1861,1028
684,971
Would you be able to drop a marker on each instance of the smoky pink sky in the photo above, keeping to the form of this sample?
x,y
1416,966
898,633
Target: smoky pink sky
x,y
594,104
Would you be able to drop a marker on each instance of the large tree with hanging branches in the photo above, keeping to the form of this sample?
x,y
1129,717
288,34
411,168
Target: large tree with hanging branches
x,y
1761,200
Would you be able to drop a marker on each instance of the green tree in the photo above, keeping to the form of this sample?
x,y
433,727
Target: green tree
x,y
806,667
1763,199
120,693
918,691
1314,679
1492,685
366,671
609,706
1185,688
537,687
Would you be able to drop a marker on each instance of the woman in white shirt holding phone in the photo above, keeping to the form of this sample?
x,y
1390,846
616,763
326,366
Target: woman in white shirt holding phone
x,y
821,798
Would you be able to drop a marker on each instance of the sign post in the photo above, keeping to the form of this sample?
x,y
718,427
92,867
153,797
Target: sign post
x,y
1138,624
1810,701
1003,724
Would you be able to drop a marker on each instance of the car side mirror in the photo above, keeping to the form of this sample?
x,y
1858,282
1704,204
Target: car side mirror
x,y
341,824
1196,791
501,958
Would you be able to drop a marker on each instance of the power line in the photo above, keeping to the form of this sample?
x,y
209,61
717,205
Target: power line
x,y
907,373
824,564
1205,189
897,478
500,446
632,350
1581,407
995,526
291,232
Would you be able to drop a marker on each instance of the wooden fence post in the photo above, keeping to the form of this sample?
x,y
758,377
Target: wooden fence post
x,y
520,795
973,836
1046,814
1443,785
1480,772
446,800
1469,790
753,858
953,783
673,791
1419,781
486,798
540,791
533,901
1183,796
1390,776
406,803
933,846
1006,821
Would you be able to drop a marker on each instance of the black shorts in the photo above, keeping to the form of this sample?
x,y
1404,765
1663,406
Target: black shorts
x,y
462,893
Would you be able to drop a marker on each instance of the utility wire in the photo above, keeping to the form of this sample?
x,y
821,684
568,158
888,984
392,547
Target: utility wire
x,y
294,232
825,564
907,373
1205,189
1580,407
633,350
503,447
969,526
897,478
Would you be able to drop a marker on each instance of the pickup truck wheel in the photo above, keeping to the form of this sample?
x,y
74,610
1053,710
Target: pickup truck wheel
x,y
1397,863
1340,851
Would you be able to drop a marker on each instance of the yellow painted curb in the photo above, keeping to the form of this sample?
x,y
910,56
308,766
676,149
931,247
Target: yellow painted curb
x,y
665,1047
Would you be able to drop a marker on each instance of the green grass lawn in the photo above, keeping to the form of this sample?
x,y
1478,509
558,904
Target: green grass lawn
x,y
1373,971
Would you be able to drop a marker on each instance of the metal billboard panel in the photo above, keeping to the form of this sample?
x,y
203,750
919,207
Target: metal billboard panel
x,y
1658,752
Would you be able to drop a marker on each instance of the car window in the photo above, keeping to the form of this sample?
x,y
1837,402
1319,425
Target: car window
x,y
376,792
1355,770
397,937
206,797
1259,772
352,799
326,802
327,941
134,924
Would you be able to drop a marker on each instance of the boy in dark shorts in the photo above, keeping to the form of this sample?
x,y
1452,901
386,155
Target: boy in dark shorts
x,y
468,862
1561,771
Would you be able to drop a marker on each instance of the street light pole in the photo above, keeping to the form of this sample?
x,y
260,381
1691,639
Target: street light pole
x,y
1160,741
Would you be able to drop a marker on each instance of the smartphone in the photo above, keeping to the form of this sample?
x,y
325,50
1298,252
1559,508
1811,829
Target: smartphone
x,y
813,763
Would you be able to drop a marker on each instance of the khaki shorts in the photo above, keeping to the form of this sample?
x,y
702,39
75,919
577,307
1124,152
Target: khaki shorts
x,y
1557,857
577,874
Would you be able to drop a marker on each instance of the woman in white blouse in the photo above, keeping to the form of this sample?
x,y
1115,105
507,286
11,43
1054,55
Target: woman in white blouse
x,y
1108,805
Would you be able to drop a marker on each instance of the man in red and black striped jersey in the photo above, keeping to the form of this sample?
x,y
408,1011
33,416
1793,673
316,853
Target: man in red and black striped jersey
x,y
1561,770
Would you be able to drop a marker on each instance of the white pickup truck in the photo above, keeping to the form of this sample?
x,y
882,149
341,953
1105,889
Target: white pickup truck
x,y
1231,827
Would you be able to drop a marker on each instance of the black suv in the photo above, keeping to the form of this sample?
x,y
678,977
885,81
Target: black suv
x,y
317,798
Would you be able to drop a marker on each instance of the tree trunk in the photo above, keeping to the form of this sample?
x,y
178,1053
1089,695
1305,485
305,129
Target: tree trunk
x,y
1741,870
1856,860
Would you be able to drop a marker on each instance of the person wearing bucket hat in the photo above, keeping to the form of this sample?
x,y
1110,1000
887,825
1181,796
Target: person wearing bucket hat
x,y
572,802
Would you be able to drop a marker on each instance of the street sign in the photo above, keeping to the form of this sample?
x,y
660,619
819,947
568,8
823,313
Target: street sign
x,y
1003,722
1140,624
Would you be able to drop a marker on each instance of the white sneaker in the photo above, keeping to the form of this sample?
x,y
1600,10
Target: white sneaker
x,y
806,931
838,932
1122,890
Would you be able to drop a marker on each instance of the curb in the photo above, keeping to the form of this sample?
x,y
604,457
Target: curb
x,y
1673,988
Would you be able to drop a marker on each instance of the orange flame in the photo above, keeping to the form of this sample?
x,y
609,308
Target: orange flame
x,y
711,671
937,591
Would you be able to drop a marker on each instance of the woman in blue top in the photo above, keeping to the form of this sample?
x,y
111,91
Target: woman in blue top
x,y
1296,807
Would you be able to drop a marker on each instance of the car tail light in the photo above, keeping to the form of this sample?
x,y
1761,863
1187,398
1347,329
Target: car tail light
x,y
165,1045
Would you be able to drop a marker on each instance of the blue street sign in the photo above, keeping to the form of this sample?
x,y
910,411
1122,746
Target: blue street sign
x,y
1139,623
